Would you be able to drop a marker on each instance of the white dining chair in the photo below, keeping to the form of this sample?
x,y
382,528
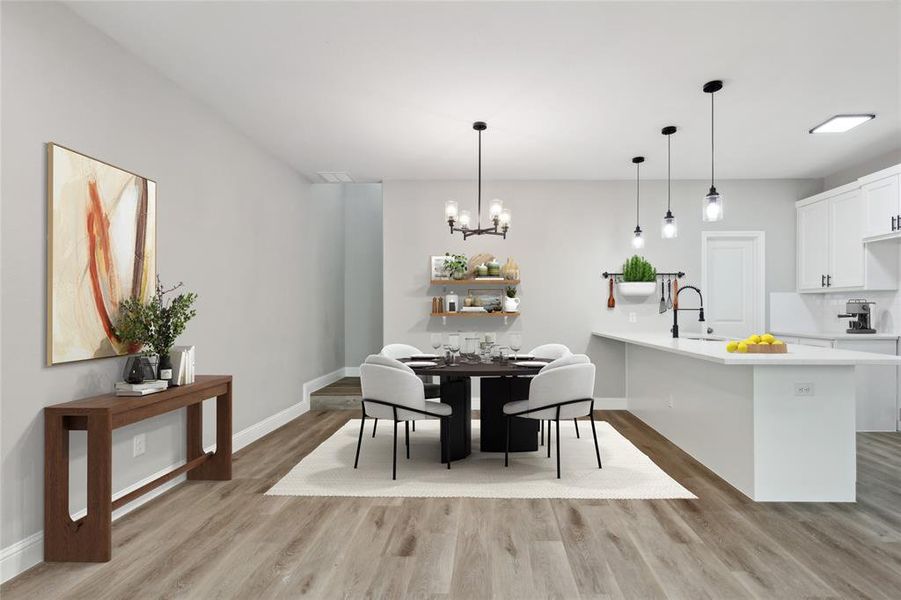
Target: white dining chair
x,y
399,351
552,352
564,389
391,390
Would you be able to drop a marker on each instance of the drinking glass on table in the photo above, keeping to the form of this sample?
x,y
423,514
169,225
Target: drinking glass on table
x,y
516,342
436,341
453,344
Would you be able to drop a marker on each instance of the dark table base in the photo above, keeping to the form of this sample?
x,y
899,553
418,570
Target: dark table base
x,y
456,392
495,392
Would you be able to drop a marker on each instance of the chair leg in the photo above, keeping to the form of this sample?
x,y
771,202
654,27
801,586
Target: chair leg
x,y
541,427
407,437
360,440
447,442
558,448
394,464
548,439
595,434
576,421
507,446
375,424
414,426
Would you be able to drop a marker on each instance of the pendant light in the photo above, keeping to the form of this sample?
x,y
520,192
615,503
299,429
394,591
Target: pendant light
x,y
668,229
638,240
713,202
500,216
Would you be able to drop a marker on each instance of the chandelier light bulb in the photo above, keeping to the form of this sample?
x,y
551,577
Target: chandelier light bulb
x,y
505,217
464,218
495,208
451,210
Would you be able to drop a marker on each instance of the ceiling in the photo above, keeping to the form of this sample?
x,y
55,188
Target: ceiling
x,y
569,90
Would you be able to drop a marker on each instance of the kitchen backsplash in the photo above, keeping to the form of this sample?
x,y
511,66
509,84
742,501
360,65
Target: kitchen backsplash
x,y
817,313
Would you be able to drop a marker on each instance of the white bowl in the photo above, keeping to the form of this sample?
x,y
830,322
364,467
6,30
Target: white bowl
x,y
636,289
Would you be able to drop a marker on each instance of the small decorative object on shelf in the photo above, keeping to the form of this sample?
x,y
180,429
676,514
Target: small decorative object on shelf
x,y
469,300
510,270
156,324
494,268
482,271
511,302
452,302
436,266
478,260
639,278
456,265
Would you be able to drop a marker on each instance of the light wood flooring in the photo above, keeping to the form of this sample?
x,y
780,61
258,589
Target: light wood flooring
x,y
228,540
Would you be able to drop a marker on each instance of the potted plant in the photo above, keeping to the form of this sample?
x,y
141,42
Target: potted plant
x,y
456,265
639,278
156,324
511,302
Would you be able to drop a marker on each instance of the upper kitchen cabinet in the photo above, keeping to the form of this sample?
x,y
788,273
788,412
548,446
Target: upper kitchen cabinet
x,y
882,198
831,254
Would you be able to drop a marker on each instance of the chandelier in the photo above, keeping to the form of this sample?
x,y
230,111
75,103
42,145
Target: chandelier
x,y
500,216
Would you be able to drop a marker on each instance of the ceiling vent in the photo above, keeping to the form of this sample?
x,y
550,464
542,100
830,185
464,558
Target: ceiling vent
x,y
336,177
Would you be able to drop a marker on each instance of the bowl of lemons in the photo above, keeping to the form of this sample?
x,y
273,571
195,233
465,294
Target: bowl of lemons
x,y
758,344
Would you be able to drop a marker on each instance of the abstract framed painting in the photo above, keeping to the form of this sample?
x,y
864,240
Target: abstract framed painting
x,y
101,249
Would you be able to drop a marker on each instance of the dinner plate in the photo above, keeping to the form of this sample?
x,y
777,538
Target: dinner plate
x,y
530,363
424,357
421,363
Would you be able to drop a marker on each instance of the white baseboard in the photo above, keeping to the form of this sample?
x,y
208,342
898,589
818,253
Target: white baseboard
x,y
352,371
24,554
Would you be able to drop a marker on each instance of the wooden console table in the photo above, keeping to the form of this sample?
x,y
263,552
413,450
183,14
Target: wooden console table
x,y
89,539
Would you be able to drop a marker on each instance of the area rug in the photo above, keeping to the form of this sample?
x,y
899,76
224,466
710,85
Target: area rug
x,y
328,470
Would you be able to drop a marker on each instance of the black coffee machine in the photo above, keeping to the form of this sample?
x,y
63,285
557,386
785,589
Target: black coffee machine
x,y
858,309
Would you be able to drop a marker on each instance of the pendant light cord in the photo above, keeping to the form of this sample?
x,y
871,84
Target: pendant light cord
x,y
668,174
479,219
637,195
712,122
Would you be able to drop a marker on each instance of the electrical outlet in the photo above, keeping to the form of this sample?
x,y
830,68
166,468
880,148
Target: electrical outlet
x,y
633,317
803,389
140,445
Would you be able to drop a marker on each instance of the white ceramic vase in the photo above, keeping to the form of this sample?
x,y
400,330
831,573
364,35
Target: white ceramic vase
x,y
511,304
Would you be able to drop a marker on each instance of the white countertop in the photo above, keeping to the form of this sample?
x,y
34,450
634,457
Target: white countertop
x,y
715,351
838,336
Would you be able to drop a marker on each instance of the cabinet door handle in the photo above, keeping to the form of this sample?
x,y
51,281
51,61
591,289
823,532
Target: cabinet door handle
x,y
828,280
822,281
893,223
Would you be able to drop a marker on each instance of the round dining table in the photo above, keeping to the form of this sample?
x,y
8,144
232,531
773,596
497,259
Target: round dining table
x,y
500,382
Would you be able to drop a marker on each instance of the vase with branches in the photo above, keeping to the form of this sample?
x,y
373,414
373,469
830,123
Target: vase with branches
x,y
157,323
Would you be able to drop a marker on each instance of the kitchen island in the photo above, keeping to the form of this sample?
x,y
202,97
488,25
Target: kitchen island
x,y
778,427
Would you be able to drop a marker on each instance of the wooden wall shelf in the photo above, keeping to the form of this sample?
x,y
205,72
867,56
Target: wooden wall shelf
x,y
479,281
477,314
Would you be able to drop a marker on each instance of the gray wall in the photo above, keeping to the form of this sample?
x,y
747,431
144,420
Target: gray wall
x,y
363,271
563,235
237,225
865,168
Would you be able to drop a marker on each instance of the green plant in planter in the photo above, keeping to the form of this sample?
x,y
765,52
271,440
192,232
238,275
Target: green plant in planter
x,y
157,323
638,269
511,291
455,265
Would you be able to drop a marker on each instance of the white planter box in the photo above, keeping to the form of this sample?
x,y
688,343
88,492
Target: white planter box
x,y
636,289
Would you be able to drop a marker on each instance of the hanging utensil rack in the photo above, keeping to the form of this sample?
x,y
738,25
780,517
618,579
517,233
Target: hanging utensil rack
x,y
677,274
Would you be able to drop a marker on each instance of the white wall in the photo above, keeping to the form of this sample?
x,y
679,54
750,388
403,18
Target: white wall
x,y
236,224
362,271
564,235
853,172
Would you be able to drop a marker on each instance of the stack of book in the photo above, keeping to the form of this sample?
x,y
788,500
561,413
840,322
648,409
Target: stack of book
x,y
123,388
182,365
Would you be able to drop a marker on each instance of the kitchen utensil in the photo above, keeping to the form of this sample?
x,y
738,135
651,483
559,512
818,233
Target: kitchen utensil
x,y
669,296
662,297
611,302
676,293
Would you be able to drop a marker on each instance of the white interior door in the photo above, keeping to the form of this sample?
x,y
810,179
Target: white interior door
x,y
733,283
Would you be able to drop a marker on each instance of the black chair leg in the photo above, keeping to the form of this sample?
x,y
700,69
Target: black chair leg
x,y
576,421
507,446
394,464
360,440
407,437
375,424
597,451
558,448
414,426
447,441
548,439
541,426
